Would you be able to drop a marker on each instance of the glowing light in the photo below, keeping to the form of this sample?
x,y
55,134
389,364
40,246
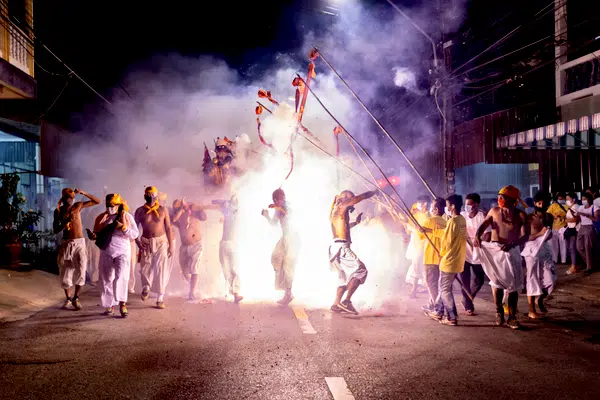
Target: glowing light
x,y
309,193
405,78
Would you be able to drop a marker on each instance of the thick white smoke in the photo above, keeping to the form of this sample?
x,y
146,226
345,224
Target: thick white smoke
x,y
179,104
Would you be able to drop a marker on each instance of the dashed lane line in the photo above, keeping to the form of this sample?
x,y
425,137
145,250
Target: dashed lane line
x,y
303,321
339,389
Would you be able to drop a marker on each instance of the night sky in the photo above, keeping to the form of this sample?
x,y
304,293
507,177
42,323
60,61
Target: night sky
x,y
101,41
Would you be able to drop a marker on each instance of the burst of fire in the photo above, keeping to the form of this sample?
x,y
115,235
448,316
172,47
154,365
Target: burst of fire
x,y
309,193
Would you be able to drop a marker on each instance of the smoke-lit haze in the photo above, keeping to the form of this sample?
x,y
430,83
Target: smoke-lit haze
x,y
178,104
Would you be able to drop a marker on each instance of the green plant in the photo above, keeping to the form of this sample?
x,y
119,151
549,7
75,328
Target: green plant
x,y
16,225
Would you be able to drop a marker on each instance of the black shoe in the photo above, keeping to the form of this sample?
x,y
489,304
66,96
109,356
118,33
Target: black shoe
x,y
347,306
336,309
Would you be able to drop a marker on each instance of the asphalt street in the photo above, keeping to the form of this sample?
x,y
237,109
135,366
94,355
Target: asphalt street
x,y
264,351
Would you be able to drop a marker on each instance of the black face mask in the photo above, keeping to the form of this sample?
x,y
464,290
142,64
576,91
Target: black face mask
x,y
149,199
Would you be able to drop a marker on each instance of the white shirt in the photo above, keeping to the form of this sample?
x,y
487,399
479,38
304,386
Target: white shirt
x,y
472,225
120,243
597,203
570,215
584,214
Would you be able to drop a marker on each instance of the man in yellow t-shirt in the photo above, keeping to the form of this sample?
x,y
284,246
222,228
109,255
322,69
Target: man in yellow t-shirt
x,y
558,210
454,252
434,227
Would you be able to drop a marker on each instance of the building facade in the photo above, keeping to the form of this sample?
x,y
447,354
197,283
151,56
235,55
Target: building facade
x,y
553,146
20,150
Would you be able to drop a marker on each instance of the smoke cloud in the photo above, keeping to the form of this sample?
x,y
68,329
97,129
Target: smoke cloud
x,y
179,104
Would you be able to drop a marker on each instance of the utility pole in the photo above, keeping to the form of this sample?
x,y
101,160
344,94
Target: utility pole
x,y
445,94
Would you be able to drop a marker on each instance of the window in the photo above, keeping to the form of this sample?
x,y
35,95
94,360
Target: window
x,y
17,11
533,167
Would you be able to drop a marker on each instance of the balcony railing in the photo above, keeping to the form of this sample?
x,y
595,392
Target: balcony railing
x,y
578,78
15,47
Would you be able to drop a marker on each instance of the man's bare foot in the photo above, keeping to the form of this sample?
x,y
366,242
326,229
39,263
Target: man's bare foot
x,y
533,315
237,298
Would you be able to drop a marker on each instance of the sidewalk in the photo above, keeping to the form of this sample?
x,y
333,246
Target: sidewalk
x,y
579,285
24,293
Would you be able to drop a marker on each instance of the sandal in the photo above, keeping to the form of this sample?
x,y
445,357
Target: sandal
x,y
572,271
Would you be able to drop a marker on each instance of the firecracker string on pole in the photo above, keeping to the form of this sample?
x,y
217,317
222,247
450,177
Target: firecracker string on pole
x,y
404,205
320,54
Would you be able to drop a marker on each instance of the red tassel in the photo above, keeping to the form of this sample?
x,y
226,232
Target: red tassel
x,y
260,137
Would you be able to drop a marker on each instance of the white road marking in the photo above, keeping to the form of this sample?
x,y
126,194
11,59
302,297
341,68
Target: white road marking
x,y
339,389
303,321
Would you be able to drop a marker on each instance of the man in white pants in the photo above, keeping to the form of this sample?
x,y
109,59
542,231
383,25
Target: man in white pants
x,y
156,246
501,258
72,257
134,257
115,256
351,271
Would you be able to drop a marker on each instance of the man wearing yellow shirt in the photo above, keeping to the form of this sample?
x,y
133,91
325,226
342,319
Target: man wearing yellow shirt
x,y
454,252
558,210
434,227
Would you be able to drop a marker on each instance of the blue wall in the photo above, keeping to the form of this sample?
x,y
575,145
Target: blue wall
x,y
488,179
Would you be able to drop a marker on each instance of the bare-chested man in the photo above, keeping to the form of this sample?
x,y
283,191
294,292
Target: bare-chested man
x,y
501,259
187,218
72,257
283,258
351,271
156,246
537,252
227,257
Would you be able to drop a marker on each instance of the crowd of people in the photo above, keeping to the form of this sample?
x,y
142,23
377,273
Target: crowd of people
x,y
516,245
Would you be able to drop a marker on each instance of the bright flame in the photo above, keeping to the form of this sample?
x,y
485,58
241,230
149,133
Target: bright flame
x,y
309,193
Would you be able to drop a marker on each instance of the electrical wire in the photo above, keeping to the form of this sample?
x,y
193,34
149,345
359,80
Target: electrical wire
x,y
508,81
526,46
53,103
35,38
504,38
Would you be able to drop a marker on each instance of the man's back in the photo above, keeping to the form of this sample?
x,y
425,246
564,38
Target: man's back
x,y
71,216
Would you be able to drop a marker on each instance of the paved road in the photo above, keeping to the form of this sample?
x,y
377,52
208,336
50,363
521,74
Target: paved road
x,y
259,351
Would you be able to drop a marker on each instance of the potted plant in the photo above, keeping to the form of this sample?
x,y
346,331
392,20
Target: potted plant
x,y
16,226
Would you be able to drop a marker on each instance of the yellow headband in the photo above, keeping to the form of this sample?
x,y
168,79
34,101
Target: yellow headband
x,y
115,199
